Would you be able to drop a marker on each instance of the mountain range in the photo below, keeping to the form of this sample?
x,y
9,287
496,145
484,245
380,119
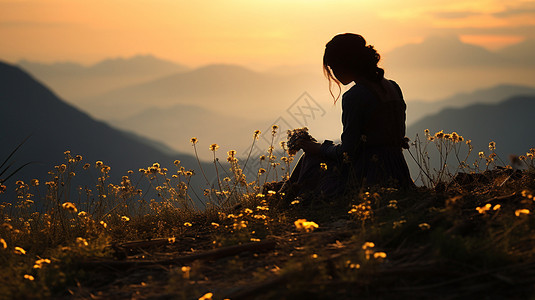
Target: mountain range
x,y
492,95
450,52
225,103
72,80
230,89
30,109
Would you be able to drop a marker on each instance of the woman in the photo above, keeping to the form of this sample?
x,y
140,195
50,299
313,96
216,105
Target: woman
x,y
373,118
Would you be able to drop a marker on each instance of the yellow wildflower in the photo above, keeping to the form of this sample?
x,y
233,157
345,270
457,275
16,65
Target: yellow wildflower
x,y
519,212
70,207
257,133
81,242
125,218
323,166
239,225
439,134
214,147
187,224
40,262
455,136
20,251
193,140
3,243
207,296
29,277
484,209
304,225
492,146
185,271
377,255
424,226
368,245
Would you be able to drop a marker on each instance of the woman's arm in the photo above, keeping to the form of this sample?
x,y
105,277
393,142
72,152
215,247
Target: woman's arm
x,y
356,106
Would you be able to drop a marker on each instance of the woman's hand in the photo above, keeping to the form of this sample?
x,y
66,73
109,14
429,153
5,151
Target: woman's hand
x,y
310,147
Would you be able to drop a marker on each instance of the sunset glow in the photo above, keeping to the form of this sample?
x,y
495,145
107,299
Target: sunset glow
x,y
253,33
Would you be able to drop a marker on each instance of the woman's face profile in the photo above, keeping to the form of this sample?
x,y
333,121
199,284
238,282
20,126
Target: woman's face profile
x,y
343,75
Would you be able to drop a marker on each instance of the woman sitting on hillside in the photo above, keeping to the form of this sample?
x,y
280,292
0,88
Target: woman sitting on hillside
x,y
373,137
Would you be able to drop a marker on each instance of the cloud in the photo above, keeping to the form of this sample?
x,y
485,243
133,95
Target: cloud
x,y
512,11
454,14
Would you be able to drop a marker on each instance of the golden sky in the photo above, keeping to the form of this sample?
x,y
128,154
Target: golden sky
x,y
255,33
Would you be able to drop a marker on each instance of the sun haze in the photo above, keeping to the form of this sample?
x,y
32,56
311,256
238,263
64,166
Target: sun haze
x,y
254,33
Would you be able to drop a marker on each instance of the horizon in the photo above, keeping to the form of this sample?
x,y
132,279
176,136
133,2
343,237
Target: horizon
x,y
253,67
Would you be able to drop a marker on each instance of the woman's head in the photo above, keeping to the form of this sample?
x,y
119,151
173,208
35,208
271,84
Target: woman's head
x,y
347,57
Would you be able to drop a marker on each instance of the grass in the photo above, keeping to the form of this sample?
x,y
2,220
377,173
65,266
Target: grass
x,y
467,233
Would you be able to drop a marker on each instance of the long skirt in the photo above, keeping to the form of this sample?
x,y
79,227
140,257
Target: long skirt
x,y
373,166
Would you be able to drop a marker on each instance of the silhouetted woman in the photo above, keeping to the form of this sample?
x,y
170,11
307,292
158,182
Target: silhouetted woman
x,y
373,118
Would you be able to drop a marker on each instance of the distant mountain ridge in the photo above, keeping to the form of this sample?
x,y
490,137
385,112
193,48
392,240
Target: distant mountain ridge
x,y
492,95
232,89
139,63
508,123
71,80
451,52
31,109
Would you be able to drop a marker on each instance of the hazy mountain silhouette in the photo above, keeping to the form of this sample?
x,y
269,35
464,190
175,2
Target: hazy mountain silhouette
x,y
73,81
508,123
521,53
443,66
419,109
30,108
443,52
231,89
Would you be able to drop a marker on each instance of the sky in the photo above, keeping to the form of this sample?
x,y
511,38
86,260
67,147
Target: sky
x,y
254,33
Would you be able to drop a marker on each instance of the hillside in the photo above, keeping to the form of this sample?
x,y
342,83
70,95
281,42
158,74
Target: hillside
x,y
507,123
31,109
492,95
471,240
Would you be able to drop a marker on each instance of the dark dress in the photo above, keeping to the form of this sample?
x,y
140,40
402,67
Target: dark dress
x,y
371,148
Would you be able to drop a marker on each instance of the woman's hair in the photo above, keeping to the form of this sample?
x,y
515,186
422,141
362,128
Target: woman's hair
x,y
350,52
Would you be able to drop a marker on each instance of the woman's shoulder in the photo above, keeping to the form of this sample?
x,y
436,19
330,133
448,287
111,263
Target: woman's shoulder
x,y
358,91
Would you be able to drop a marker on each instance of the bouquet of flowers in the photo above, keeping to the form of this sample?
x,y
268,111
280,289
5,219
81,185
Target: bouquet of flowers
x,y
295,137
